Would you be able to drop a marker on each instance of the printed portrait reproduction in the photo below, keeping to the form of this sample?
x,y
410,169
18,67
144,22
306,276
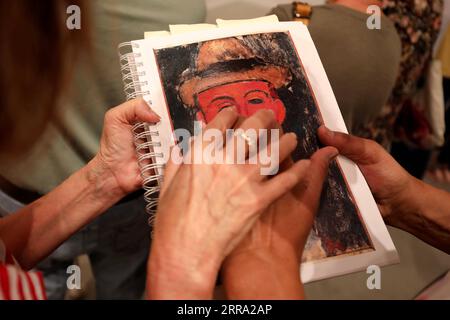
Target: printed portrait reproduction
x,y
263,71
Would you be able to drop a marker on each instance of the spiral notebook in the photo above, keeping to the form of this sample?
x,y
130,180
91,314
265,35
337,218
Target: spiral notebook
x,y
181,74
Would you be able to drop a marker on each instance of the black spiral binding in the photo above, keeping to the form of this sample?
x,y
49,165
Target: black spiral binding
x,y
146,138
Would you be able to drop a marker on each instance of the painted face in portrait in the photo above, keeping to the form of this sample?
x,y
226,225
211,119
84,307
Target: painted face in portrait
x,y
228,73
246,96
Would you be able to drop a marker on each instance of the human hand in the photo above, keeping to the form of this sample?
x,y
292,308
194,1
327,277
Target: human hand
x,y
391,186
286,223
265,265
116,162
206,209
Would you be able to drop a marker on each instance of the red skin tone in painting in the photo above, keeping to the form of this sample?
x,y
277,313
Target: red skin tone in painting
x,y
247,96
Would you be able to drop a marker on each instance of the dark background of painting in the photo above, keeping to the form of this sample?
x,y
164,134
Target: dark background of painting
x,y
337,223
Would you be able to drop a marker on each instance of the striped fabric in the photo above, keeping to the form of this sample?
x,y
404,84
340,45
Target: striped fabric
x,y
16,284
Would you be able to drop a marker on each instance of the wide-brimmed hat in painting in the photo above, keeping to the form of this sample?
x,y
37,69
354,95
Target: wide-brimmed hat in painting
x,y
226,61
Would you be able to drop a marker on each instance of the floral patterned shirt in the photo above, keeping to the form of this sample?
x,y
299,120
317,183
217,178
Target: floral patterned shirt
x,y
418,23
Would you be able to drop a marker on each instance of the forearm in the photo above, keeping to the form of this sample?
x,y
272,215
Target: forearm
x,y
425,214
261,275
174,273
37,229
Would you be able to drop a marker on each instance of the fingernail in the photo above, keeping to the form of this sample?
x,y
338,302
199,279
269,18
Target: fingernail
x,y
232,108
149,108
155,114
333,154
329,133
292,134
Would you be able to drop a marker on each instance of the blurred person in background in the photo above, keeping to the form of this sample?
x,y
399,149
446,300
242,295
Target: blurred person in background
x,y
402,119
376,74
362,64
117,243
439,170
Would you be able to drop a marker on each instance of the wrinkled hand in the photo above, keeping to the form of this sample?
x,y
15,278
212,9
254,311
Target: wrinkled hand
x,y
117,154
388,181
265,265
206,209
285,225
